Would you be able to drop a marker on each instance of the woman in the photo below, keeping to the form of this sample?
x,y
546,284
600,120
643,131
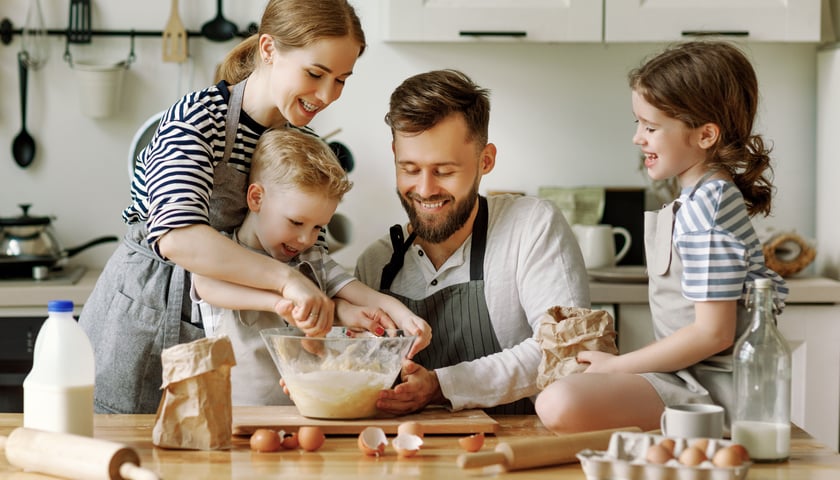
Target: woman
x,y
189,184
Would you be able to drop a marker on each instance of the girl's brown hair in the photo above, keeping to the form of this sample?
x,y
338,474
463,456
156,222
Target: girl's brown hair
x,y
713,82
293,24
291,158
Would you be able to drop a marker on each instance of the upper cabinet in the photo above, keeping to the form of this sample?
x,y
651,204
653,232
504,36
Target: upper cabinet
x,y
492,20
750,20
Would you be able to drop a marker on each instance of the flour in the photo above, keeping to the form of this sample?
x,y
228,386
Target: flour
x,y
337,393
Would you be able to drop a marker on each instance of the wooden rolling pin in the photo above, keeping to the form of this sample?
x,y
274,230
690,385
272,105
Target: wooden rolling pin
x,y
72,456
541,451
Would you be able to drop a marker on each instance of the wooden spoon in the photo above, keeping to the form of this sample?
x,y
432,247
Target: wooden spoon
x,y
174,37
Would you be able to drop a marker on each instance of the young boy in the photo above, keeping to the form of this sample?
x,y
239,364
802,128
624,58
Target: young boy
x,y
296,183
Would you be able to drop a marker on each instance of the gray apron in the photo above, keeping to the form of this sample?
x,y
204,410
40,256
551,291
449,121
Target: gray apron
x,y
141,304
458,315
709,381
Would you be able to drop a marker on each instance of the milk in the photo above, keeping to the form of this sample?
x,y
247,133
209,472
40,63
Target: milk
x,y
765,441
58,391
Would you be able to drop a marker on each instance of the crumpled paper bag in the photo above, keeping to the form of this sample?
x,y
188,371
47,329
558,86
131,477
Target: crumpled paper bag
x,y
195,410
565,331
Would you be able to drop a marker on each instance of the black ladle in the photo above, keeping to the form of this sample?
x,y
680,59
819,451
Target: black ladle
x,y
23,146
219,29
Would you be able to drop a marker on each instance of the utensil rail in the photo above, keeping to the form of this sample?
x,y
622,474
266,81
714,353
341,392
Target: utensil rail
x,y
7,31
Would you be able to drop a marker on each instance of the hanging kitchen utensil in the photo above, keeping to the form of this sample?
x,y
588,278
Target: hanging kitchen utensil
x,y
23,146
34,36
174,37
219,29
79,25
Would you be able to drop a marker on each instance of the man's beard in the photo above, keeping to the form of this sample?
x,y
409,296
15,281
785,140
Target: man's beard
x,y
436,228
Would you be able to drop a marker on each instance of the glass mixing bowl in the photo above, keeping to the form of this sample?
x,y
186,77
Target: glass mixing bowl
x,y
338,376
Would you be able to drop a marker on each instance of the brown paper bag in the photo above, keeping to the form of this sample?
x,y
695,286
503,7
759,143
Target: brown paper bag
x,y
195,411
565,331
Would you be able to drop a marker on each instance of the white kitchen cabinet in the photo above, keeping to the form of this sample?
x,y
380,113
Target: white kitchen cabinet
x,y
751,20
492,20
810,323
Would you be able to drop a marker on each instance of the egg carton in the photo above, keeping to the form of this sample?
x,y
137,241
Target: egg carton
x,y
625,460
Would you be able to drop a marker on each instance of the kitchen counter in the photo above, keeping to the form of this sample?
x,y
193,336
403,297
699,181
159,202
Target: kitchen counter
x,y
30,298
810,290
341,458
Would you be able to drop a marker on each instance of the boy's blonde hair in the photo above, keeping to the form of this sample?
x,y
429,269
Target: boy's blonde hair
x,y
291,158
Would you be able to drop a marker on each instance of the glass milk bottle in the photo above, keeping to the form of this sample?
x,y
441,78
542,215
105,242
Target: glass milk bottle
x,y
761,371
58,391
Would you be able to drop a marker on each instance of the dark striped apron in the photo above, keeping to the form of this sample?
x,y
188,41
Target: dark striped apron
x,y
461,326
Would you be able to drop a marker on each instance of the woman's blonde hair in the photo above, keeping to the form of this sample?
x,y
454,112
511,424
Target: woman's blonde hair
x,y
292,158
292,24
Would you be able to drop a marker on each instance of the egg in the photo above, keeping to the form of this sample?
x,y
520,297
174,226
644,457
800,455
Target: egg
x,y
265,440
692,456
727,457
310,438
290,441
742,451
668,444
407,444
372,441
413,428
473,443
658,454
702,444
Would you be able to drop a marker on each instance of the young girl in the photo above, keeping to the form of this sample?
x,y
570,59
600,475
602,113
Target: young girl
x,y
695,105
189,185
296,183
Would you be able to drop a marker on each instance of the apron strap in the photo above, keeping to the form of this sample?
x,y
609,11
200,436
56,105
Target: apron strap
x,y
479,241
232,118
400,246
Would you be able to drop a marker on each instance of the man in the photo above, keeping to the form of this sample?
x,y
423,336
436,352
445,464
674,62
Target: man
x,y
480,271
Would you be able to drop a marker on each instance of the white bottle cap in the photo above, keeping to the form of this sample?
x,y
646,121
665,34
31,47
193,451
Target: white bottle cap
x,y
763,283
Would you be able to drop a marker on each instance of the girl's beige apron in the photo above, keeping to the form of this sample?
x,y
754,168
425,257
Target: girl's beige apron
x,y
141,304
709,381
458,315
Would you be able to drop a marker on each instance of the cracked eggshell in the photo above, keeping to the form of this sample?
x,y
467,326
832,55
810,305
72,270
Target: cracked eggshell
x,y
407,444
473,443
290,440
372,441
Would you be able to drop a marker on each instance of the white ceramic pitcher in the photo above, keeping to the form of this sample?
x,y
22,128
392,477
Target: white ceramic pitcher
x,y
597,242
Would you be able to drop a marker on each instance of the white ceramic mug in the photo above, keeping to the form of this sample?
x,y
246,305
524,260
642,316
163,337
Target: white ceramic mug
x,y
597,243
692,420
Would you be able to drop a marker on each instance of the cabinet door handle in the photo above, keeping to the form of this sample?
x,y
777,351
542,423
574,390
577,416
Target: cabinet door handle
x,y
492,33
715,33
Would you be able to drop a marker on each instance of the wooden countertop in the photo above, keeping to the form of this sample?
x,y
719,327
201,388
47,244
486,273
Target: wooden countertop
x,y
340,457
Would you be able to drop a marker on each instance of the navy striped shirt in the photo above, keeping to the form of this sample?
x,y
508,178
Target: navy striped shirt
x,y
718,246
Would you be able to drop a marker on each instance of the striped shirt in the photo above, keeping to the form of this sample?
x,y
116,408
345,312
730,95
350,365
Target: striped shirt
x,y
173,175
718,246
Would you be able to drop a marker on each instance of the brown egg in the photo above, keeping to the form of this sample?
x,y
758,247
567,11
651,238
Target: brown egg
x,y
372,441
265,440
727,457
473,443
407,444
742,451
310,438
290,441
702,444
413,428
668,444
658,454
692,456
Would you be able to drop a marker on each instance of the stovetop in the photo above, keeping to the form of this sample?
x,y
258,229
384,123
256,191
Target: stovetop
x,y
61,276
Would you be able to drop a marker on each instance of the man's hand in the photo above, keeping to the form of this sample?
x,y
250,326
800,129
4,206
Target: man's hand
x,y
419,388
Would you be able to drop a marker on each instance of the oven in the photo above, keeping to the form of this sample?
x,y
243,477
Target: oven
x,y
23,309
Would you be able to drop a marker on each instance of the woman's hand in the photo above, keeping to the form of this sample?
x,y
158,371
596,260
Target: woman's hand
x,y
599,362
414,325
309,309
313,325
372,319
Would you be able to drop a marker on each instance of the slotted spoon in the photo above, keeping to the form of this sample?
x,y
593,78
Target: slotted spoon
x,y
174,37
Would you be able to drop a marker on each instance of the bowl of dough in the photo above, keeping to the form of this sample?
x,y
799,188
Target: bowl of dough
x,y
337,376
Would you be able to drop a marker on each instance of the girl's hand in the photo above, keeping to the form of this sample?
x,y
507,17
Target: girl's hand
x,y
599,362
372,319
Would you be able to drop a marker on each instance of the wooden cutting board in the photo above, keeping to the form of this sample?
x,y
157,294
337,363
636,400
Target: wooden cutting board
x,y
435,420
